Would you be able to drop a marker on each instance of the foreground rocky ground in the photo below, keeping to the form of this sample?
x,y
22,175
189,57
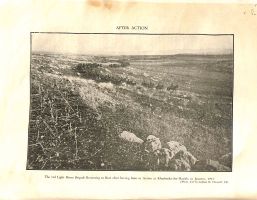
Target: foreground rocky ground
x,y
170,156
79,113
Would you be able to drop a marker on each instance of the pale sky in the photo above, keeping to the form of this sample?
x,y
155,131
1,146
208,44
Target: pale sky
x,y
110,44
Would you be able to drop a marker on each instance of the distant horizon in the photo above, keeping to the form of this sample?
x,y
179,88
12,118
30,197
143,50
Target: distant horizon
x,y
52,52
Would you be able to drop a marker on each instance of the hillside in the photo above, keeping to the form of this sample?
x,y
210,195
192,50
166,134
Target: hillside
x,y
80,104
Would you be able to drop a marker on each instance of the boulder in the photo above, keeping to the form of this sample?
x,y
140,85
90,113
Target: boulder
x,y
165,156
152,144
176,157
130,137
186,156
175,147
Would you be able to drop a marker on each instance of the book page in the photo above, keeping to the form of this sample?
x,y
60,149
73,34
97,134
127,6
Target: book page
x,y
127,100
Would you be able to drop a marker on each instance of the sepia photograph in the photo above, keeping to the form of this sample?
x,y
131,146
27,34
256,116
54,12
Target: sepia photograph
x,y
131,102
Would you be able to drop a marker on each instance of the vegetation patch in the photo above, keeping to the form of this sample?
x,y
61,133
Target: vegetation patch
x,y
98,73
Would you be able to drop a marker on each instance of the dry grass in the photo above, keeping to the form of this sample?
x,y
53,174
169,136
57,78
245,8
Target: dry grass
x,y
58,135
74,125
74,121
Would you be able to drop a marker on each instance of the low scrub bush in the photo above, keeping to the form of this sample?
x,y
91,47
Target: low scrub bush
x,y
124,63
172,87
159,86
115,65
148,84
98,73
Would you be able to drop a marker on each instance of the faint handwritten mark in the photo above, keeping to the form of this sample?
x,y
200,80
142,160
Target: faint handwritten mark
x,y
252,11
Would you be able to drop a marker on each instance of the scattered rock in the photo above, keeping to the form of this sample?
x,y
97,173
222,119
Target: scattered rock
x,y
130,137
152,144
107,86
175,147
177,157
173,156
165,156
145,74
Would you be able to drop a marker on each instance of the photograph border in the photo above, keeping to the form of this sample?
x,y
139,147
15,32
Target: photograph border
x,y
126,33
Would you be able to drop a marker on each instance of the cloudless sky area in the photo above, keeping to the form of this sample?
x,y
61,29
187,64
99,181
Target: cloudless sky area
x,y
118,44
